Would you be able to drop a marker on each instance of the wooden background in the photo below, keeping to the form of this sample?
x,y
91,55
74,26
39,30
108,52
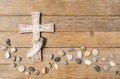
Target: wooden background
x,y
93,23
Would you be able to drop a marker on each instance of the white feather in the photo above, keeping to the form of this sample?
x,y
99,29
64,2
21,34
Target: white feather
x,y
36,48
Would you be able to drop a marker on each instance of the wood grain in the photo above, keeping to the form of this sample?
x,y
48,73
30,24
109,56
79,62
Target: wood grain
x,y
61,7
64,23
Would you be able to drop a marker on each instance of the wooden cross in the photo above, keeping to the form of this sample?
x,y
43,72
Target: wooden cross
x,y
36,28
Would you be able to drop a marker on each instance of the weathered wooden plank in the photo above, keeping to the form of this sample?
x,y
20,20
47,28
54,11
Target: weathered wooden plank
x,y
61,7
64,23
66,39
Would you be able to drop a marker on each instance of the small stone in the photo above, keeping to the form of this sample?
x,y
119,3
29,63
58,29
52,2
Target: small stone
x,y
7,55
69,57
64,62
106,68
36,72
87,53
13,64
48,65
21,68
111,56
95,59
83,48
88,62
8,42
112,63
31,69
18,59
57,59
13,50
43,70
51,56
27,73
78,61
13,58
3,48
97,68
70,50
116,72
104,59
79,54
95,52
61,53
56,66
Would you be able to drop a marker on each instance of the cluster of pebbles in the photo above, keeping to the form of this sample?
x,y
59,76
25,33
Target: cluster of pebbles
x,y
69,57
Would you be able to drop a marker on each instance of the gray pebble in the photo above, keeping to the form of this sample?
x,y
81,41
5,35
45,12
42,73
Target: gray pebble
x,y
78,61
13,58
8,42
18,59
31,69
51,56
106,68
64,62
48,65
83,48
13,64
95,59
70,50
111,56
97,68
36,72
3,48
57,59
116,72
61,53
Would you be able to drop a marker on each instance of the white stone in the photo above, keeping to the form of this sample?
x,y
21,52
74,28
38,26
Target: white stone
x,y
13,50
18,59
21,68
112,56
87,53
69,57
104,59
7,55
3,48
88,62
112,63
106,68
43,70
79,54
48,65
61,53
56,66
51,56
94,59
95,52
27,73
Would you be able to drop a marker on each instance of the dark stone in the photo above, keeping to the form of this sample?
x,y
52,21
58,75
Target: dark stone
x,y
116,72
97,68
57,59
8,42
36,72
31,69
78,61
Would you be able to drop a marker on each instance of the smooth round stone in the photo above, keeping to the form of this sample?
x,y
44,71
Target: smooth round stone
x,y
36,72
27,73
79,54
7,55
43,70
8,42
51,56
95,52
57,59
70,50
56,66
115,72
97,68
95,59
13,50
106,68
13,58
78,61
13,64
83,48
88,62
111,56
104,59
18,59
112,63
21,68
48,65
87,53
64,62
3,48
32,69
61,53
69,57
